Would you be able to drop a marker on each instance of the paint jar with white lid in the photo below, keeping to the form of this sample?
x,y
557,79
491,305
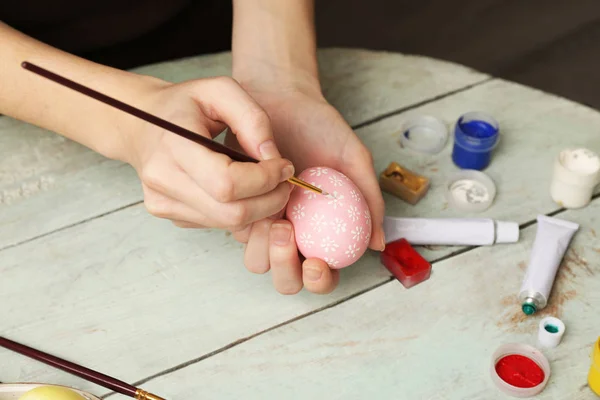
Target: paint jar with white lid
x,y
425,134
576,174
470,190
534,357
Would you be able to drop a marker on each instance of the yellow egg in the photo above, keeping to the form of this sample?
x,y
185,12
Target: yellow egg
x,y
51,393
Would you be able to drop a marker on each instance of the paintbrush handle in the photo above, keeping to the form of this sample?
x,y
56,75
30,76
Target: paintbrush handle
x,y
67,366
206,142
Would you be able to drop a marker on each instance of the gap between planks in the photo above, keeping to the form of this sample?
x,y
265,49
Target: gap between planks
x,y
63,228
421,103
317,310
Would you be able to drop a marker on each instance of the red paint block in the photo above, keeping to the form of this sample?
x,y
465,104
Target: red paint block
x,y
405,263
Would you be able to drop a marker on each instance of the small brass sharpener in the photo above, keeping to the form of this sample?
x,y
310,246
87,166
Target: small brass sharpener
x,y
403,183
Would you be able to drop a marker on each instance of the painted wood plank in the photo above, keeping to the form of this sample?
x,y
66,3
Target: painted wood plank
x,y
131,295
47,182
433,341
361,84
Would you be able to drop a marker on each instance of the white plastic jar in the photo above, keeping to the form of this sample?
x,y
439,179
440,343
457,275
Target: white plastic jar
x,y
576,174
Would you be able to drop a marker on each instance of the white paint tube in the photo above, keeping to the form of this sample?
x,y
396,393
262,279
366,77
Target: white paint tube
x,y
551,242
450,231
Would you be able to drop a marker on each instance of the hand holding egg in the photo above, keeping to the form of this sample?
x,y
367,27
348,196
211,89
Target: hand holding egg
x,y
334,228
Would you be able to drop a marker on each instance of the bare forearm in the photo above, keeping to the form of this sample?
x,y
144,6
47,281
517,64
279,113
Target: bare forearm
x,y
31,98
274,43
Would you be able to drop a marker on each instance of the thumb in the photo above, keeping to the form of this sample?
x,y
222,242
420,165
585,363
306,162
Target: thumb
x,y
224,100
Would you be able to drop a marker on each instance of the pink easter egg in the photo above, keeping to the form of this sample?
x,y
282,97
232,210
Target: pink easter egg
x,y
334,228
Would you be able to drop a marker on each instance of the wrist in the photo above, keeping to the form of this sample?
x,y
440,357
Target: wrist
x,y
124,129
274,46
269,77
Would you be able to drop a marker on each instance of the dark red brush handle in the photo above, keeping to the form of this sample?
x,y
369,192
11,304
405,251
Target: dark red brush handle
x,y
85,373
194,137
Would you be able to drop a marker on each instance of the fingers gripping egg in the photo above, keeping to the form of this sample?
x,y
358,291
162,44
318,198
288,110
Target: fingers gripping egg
x,y
334,228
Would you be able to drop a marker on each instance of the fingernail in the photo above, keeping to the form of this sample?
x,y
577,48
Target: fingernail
x,y
312,274
382,242
288,172
382,235
280,234
268,150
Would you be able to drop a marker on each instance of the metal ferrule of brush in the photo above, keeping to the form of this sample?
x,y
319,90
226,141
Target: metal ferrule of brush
x,y
143,395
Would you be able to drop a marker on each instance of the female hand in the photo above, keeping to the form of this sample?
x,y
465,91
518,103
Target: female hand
x,y
193,186
182,180
309,132
274,57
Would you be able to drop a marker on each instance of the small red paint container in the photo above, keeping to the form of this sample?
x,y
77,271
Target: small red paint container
x,y
520,370
405,263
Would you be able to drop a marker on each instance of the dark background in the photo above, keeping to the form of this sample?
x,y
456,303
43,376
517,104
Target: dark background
x,y
552,45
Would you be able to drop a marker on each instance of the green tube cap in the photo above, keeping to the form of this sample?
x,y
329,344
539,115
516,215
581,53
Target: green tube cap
x,y
528,309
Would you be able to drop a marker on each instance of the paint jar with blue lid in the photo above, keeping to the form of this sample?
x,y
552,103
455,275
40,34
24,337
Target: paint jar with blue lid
x,y
475,136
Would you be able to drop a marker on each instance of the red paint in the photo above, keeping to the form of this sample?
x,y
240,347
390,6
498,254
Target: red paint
x,y
519,371
405,263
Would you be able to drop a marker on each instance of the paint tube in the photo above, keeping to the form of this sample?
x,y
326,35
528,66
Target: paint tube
x,y
551,241
450,231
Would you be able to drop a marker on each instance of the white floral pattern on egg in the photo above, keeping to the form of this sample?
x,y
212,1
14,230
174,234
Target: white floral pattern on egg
x,y
335,228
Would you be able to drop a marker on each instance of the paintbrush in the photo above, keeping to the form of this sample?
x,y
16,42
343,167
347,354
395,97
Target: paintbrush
x,y
196,138
83,372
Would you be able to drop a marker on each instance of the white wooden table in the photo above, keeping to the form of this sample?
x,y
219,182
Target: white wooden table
x,y
87,274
